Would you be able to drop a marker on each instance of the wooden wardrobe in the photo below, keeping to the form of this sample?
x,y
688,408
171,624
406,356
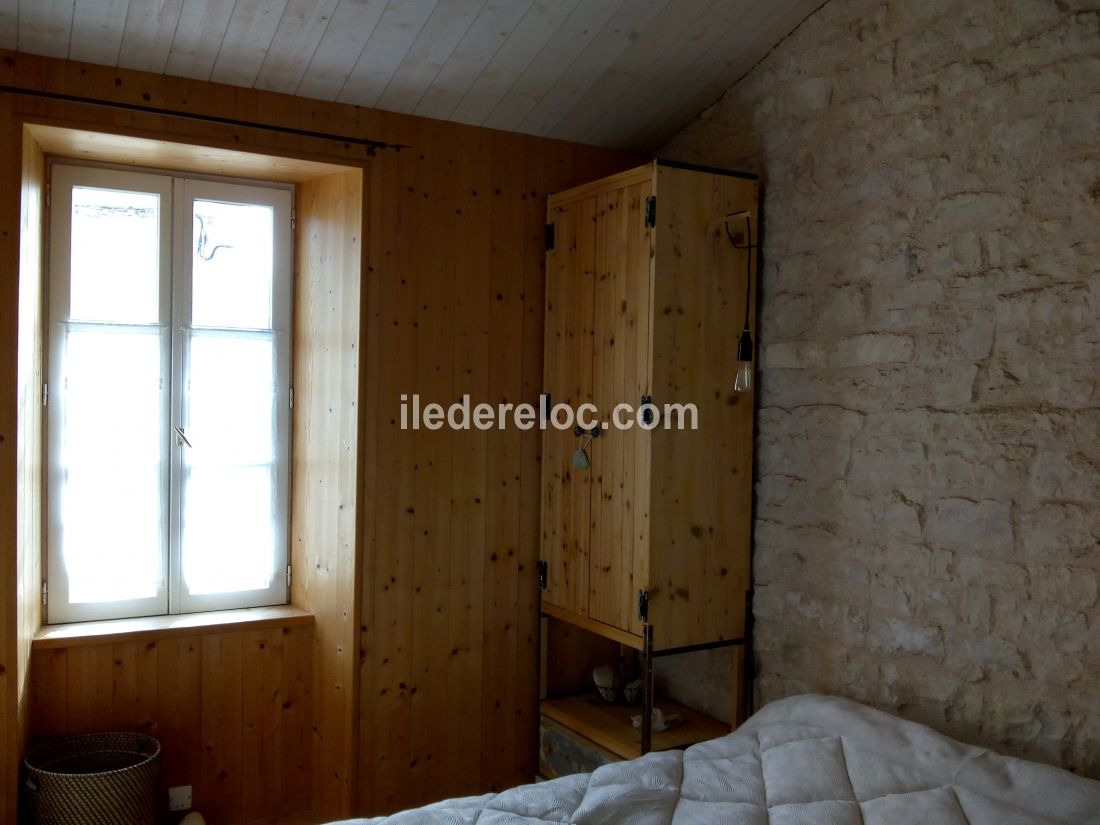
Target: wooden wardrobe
x,y
649,546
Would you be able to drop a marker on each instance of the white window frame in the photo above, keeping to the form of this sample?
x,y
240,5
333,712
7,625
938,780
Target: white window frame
x,y
176,192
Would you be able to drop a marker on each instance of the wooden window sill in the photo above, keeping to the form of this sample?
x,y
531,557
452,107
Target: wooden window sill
x,y
162,627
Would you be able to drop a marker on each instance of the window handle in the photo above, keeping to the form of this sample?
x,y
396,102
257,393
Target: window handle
x,y
181,439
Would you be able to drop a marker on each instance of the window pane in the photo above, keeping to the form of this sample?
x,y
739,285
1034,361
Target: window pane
x,y
229,487
115,260
232,260
111,443
228,540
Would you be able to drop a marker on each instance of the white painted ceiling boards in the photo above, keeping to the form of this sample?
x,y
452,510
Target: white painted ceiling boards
x,y
622,73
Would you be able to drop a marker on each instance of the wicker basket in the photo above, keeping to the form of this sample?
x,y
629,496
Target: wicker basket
x,y
94,779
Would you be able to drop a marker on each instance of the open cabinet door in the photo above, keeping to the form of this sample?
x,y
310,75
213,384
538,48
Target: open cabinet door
x,y
566,490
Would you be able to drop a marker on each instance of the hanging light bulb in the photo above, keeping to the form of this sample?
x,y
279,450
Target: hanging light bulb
x,y
742,382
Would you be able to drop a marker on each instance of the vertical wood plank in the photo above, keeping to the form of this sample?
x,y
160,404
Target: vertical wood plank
x,y
532,179
502,552
49,675
121,709
472,244
179,707
80,711
295,768
254,713
604,569
432,454
222,716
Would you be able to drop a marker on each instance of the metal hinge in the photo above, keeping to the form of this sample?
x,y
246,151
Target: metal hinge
x,y
292,398
543,575
293,219
549,236
651,210
288,577
48,195
45,594
643,605
45,393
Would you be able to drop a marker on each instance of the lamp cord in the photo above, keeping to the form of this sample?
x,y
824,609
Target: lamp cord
x,y
749,246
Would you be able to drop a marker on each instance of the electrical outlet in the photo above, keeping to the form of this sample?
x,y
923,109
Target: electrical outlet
x,y
179,799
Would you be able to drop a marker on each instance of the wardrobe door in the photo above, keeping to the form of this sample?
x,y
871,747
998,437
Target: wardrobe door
x,y
701,504
620,377
567,490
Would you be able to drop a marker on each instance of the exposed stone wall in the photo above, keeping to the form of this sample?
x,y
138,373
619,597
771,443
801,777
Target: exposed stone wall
x,y
927,530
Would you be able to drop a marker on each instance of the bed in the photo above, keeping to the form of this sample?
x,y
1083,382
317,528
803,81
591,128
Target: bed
x,y
804,760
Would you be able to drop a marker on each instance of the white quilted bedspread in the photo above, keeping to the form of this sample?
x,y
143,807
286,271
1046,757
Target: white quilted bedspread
x,y
807,760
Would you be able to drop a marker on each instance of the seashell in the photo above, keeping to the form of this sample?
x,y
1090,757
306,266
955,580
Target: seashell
x,y
607,682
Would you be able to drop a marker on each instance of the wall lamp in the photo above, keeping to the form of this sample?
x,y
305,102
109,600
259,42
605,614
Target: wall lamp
x,y
742,382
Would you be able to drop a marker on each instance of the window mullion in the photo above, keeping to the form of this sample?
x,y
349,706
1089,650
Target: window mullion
x,y
178,292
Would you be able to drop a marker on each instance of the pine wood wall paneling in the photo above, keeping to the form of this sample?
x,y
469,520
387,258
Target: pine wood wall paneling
x,y
324,497
226,707
390,229
484,194
342,726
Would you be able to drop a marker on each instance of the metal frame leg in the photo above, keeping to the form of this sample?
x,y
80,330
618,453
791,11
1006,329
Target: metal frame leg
x,y
647,688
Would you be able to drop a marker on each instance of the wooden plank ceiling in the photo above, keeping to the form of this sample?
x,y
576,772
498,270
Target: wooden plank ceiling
x,y
619,73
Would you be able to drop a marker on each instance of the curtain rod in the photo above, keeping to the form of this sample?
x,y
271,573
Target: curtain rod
x,y
370,145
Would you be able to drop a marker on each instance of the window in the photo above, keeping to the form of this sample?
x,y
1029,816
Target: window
x,y
168,394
